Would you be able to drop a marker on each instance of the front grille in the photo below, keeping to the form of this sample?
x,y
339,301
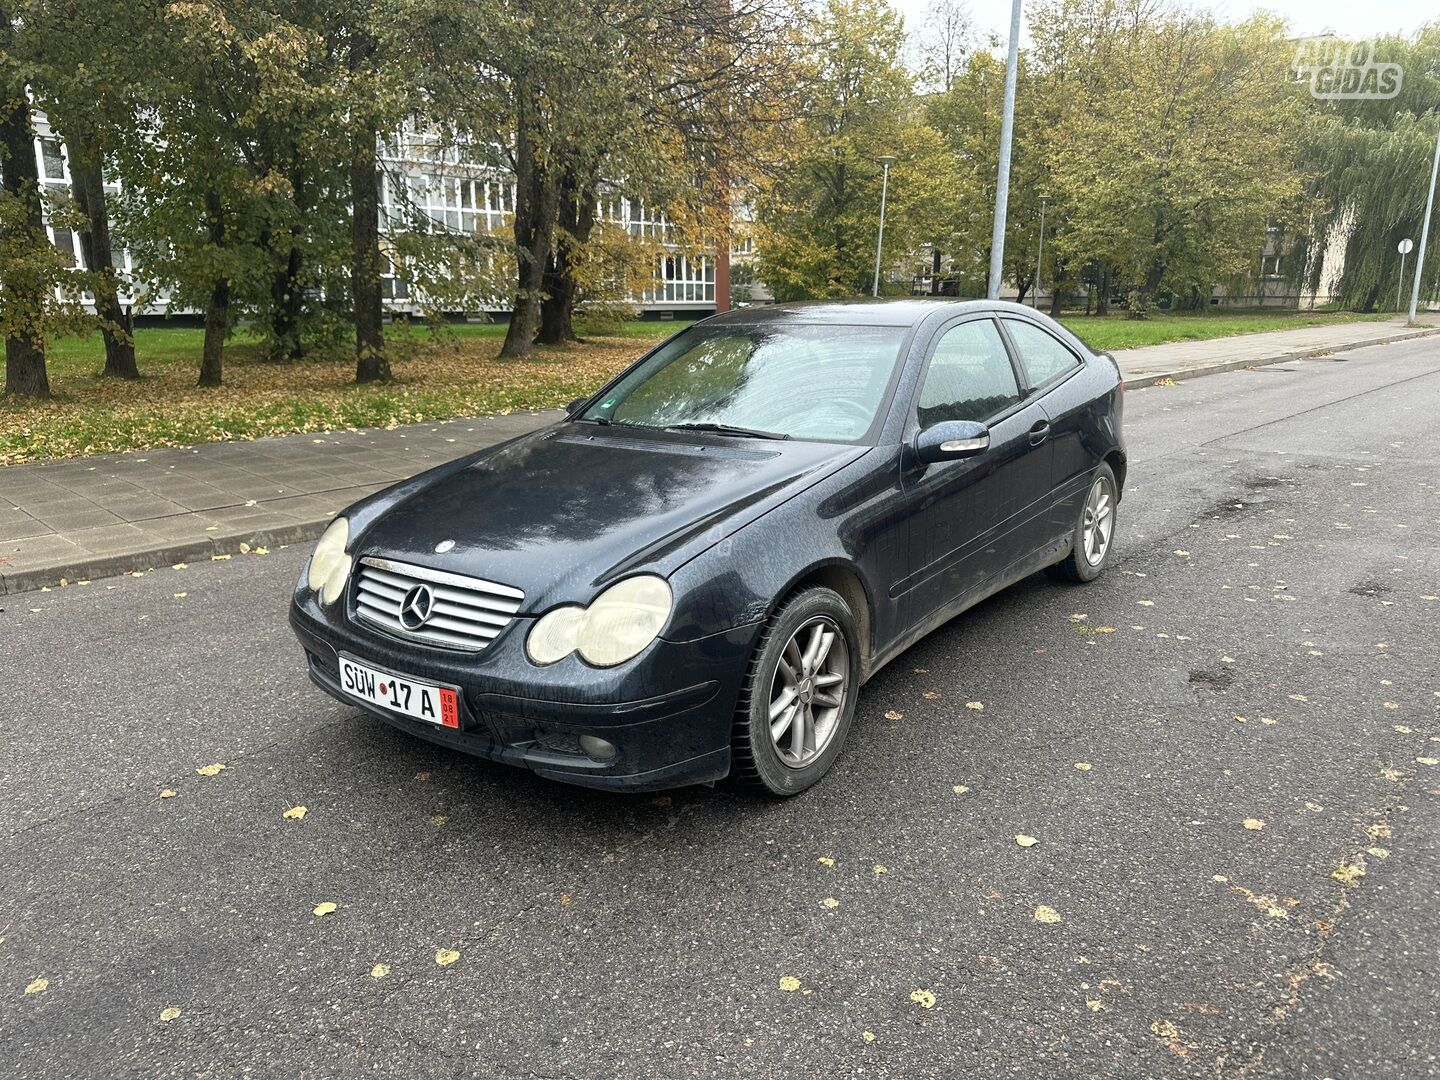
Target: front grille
x,y
467,613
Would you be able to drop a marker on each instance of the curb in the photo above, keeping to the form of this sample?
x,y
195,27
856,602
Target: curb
x,y
301,531
1139,382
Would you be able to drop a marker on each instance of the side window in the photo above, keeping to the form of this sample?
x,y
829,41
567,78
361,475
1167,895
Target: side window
x,y
1041,354
970,377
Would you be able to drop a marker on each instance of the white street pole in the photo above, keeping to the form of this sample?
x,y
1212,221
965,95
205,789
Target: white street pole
x,y
1040,255
880,239
1002,182
1424,228
1401,283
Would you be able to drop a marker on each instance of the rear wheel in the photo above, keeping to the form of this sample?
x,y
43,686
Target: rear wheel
x,y
1094,530
799,695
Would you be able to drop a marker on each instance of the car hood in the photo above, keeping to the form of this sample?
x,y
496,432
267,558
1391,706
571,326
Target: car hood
x,y
562,511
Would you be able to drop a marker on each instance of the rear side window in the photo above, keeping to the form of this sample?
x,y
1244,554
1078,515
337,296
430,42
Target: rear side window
x,y
970,377
1041,353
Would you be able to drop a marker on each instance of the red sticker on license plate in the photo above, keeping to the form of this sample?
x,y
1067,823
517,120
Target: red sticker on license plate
x,y
449,708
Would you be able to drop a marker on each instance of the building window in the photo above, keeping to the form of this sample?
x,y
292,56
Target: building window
x,y
52,159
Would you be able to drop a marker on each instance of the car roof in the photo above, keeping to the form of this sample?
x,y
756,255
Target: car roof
x,y
905,312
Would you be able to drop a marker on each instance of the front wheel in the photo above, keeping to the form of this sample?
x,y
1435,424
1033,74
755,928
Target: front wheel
x,y
799,695
1094,531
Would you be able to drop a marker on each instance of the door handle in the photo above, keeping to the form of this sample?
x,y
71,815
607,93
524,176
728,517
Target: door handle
x,y
1040,432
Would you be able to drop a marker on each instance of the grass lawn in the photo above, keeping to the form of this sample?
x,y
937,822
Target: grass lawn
x,y
455,373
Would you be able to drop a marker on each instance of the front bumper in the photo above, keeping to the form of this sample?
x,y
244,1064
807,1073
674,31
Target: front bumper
x,y
668,712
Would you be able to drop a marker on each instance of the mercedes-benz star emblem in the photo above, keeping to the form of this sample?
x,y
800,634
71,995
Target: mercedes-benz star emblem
x,y
444,546
416,607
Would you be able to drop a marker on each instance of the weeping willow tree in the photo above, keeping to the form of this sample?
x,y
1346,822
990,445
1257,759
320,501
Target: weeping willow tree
x,y
1369,163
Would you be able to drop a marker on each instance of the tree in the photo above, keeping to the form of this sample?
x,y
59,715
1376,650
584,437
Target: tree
x,y
817,221
941,43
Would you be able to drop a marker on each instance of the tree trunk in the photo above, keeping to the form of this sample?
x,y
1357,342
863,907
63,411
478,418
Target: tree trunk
x,y
1057,285
371,364
24,341
217,325
935,272
536,206
217,312
286,299
576,216
1102,291
88,188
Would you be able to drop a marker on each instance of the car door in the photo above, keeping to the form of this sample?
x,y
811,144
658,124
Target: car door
x,y
971,518
1048,366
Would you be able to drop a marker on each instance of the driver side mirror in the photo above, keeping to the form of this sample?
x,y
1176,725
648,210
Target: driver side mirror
x,y
951,439
574,406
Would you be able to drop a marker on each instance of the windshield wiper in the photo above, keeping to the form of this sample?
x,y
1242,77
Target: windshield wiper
x,y
728,429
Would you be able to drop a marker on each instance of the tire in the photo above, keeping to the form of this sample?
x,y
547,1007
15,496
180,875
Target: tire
x,y
1079,564
788,763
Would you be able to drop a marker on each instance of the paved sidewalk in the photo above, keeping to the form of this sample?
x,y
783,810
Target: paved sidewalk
x,y
98,516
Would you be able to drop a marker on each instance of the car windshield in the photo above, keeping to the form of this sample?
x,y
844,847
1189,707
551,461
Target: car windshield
x,y
796,380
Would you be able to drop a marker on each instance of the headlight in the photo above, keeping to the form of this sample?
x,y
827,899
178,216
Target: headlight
x,y
616,626
329,565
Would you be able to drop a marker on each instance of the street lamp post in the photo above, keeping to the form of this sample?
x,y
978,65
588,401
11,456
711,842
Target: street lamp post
x,y
1404,248
1002,181
1424,229
885,163
1040,255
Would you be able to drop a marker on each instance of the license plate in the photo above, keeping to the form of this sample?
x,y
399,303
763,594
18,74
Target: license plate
x,y
400,693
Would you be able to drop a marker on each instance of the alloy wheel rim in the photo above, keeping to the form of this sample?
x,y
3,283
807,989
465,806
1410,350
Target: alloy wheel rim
x,y
808,692
1099,520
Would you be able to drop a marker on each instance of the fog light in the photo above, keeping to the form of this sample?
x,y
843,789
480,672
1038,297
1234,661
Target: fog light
x,y
597,749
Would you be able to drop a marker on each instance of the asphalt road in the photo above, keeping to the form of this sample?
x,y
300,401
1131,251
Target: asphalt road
x,y
1266,649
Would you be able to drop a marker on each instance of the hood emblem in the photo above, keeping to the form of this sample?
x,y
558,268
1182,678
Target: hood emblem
x,y
444,546
416,608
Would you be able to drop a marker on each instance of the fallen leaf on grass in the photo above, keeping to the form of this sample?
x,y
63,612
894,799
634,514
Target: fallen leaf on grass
x,y
924,998
169,1013
324,909
295,813
446,957
1046,914
211,770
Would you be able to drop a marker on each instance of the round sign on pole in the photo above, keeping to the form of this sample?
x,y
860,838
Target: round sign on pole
x,y
1405,246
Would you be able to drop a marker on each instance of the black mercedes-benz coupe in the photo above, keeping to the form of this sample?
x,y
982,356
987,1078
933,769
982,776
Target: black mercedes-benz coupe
x,y
693,573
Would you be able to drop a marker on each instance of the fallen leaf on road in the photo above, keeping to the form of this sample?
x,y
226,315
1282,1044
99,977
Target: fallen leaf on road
x,y
1348,873
1083,766
1254,824
830,902
1181,553
438,820
181,595
324,909
1145,603
219,558
881,869
1391,705
211,770
959,789
825,860
868,1036
1165,1029
295,813
167,794
169,1013
446,957
1046,914
789,983
38,986
924,998
977,706
1402,729
1378,852
1428,760
379,971
1094,1004
930,695
1026,841
891,714
1104,630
